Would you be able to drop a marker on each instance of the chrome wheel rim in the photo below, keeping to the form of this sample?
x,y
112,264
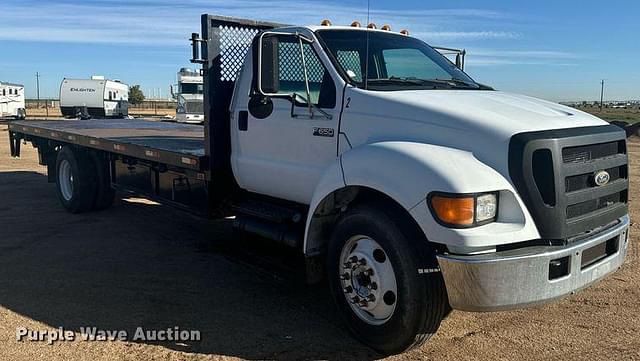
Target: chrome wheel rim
x,y
65,179
368,280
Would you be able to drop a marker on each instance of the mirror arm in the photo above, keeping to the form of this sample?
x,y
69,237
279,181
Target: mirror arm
x,y
293,104
306,77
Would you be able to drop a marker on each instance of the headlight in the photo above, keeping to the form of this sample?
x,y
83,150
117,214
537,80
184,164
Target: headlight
x,y
464,210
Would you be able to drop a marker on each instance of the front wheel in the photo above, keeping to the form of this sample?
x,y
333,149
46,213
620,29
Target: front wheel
x,y
373,274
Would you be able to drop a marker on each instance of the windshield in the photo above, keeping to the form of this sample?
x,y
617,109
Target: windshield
x,y
191,88
396,62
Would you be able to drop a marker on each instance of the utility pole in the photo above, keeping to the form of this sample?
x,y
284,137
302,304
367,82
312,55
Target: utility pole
x,y
38,88
601,94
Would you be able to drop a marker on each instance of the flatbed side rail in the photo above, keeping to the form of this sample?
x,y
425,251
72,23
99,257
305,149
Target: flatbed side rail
x,y
18,132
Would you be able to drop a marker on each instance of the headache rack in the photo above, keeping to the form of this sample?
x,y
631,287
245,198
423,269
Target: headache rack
x,y
221,50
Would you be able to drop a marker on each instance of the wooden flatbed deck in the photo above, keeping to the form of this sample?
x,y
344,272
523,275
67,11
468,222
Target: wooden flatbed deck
x,y
175,144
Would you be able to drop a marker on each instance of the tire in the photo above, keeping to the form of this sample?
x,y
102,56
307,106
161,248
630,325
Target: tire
x,y
21,114
75,180
105,195
408,318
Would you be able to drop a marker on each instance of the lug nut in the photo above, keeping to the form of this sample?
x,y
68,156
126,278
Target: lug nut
x,y
362,262
363,303
345,276
355,300
348,289
371,298
373,286
369,272
346,265
353,259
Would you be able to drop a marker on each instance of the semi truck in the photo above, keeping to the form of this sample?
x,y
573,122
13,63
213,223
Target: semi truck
x,y
97,97
12,101
408,186
189,96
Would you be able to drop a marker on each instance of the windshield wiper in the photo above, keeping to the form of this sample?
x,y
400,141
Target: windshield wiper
x,y
458,82
410,81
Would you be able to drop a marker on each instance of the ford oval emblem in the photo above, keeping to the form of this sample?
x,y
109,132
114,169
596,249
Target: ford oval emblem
x,y
601,178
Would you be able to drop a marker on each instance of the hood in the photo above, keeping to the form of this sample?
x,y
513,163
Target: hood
x,y
481,122
507,112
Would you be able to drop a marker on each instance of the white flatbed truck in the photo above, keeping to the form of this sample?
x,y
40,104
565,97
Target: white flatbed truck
x,y
410,187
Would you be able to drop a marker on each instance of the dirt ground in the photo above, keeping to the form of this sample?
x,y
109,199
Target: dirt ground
x,y
141,264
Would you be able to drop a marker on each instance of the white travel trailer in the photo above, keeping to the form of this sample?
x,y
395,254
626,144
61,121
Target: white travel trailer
x,y
12,101
96,97
190,97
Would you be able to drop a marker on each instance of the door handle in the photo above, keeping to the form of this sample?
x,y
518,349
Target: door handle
x,y
243,120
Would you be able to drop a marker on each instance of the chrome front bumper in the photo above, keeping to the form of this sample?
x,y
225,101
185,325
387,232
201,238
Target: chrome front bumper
x,y
520,278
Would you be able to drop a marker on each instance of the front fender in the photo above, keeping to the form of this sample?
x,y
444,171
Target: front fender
x,y
407,172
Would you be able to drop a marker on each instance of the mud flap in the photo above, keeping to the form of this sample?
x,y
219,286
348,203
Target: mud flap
x,y
14,144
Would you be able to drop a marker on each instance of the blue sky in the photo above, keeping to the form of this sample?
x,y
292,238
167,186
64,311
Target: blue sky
x,y
557,50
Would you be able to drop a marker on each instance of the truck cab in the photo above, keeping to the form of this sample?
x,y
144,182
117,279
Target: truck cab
x,y
189,96
509,201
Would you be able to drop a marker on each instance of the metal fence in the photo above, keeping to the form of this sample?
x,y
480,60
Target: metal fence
x,y
145,105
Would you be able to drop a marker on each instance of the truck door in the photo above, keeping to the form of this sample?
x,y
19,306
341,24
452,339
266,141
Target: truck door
x,y
284,145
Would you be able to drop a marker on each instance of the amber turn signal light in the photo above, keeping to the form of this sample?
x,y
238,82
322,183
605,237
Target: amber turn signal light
x,y
456,211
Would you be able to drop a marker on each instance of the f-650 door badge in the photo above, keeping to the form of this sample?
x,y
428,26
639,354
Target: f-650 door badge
x,y
323,132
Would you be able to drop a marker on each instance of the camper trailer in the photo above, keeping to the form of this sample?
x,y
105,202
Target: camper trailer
x,y
189,96
94,98
12,101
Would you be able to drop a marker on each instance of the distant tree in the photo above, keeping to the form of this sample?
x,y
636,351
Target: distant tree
x,y
136,96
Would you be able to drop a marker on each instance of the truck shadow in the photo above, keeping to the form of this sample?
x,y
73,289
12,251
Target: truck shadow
x,y
141,264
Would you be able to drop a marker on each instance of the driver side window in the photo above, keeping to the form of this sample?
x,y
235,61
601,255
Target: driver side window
x,y
290,75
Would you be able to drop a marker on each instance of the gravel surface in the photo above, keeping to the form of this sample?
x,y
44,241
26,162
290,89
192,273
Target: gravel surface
x,y
141,264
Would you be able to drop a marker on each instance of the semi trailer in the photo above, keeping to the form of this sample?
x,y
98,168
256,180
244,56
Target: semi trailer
x,y
94,98
12,101
408,186
189,96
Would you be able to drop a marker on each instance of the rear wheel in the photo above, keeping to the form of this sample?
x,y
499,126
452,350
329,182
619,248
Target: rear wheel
x,y
75,180
373,274
21,114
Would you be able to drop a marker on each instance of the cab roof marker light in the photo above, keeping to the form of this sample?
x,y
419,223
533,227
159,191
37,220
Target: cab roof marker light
x,y
386,27
356,24
404,32
326,22
372,26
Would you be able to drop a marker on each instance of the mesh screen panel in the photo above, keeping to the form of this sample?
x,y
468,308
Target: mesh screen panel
x,y
234,45
350,60
291,63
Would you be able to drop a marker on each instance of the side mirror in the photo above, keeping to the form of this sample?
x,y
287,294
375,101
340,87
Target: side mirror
x,y
460,59
266,68
267,61
260,106
267,65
